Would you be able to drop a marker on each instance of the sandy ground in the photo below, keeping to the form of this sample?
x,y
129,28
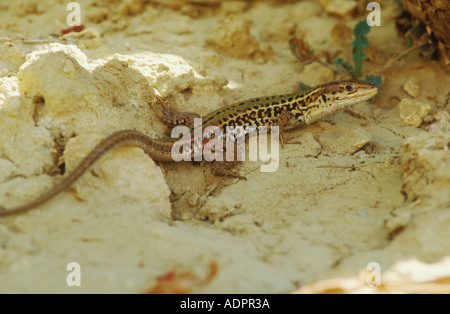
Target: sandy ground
x,y
369,184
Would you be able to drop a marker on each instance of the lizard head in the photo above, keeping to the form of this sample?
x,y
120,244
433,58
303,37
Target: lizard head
x,y
336,95
345,93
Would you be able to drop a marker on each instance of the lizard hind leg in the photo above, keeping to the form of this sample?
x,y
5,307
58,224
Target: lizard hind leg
x,y
174,119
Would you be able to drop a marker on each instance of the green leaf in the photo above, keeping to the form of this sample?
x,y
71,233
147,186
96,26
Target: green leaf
x,y
376,80
361,29
360,42
303,87
344,64
339,61
363,42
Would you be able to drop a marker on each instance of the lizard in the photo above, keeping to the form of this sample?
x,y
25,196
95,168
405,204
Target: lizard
x,y
306,107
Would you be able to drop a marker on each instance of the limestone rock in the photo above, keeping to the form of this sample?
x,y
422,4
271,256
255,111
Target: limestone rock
x,y
315,73
412,87
339,7
413,112
425,163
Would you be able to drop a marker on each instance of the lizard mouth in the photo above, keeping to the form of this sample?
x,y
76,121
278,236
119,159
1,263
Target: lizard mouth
x,y
367,94
359,96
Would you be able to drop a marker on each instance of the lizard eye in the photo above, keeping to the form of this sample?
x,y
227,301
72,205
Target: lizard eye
x,y
348,88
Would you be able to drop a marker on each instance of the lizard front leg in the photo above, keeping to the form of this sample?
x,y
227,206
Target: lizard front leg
x,y
282,122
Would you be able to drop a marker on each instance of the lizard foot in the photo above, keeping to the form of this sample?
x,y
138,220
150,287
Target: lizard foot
x,y
287,140
223,169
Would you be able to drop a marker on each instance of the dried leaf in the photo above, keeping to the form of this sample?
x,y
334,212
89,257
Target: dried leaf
x,y
361,29
171,282
341,35
300,49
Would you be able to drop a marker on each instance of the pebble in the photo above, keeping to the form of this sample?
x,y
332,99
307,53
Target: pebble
x,y
413,112
339,7
194,200
351,141
412,87
233,38
315,74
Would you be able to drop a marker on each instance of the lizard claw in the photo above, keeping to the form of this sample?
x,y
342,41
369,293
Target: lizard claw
x,y
223,170
284,140
234,174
